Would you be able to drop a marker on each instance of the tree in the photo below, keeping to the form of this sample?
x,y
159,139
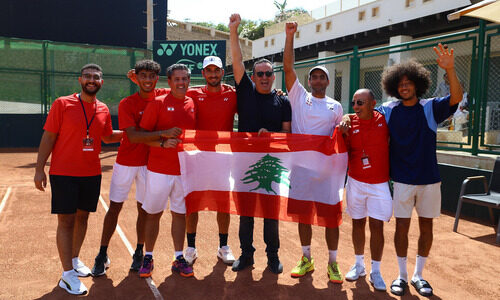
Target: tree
x,y
281,7
266,171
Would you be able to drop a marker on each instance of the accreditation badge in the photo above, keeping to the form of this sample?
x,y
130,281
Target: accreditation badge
x,y
365,161
88,144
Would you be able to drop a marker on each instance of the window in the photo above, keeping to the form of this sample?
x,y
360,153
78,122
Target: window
x,y
266,43
328,25
297,34
410,3
375,11
318,27
361,15
272,42
426,1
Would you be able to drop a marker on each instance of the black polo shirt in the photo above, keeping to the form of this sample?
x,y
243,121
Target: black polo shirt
x,y
256,111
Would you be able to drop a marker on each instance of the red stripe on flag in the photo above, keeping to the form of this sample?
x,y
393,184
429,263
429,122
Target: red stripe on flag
x,y
265,206
225,141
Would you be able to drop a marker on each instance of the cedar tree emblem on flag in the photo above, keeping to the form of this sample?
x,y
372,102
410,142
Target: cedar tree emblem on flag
x,y
266,171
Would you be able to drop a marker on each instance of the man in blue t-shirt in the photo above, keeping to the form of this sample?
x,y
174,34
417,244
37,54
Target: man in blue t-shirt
x,y
260,109
412,125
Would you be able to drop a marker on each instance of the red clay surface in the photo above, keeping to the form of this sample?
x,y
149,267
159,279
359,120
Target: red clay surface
x,y
464,265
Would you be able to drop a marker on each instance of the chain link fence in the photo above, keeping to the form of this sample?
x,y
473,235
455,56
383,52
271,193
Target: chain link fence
x,y
35,73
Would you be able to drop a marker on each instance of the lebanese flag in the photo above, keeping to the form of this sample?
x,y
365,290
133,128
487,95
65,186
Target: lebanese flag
x,y
290,177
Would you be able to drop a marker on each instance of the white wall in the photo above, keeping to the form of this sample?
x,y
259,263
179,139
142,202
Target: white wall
x,y
347,23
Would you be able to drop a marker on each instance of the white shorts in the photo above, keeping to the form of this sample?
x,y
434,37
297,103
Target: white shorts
x,y
367,199
121,182
161,187
425,198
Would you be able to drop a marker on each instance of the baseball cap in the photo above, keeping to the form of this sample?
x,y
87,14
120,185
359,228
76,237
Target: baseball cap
x,y
322,69
212,60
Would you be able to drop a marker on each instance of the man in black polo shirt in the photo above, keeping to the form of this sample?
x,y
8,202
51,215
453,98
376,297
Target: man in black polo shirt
x,y
260,109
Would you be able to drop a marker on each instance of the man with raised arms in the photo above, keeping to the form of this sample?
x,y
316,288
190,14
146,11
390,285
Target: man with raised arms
x,y
312,113
260,109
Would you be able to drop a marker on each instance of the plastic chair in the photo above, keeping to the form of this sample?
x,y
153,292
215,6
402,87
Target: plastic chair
x,y
490,198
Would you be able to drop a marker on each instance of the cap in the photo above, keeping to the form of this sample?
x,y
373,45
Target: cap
x,y
212,60
322,69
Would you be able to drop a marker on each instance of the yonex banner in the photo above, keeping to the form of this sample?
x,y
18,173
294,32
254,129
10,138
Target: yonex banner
x,y
291,177
190,53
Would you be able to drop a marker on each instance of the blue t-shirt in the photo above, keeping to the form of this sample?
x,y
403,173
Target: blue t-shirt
x,y
256,110
412,147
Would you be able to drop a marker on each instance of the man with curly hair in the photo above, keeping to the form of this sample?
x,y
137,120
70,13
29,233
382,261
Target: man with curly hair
x,y
412,126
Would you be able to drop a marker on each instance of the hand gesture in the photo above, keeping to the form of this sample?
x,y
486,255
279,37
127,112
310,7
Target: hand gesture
x,y
445,58
132,76
171,133
40,180
234,21
291,28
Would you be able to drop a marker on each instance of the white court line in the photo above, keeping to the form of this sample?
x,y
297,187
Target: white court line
x,y
149,281
4,200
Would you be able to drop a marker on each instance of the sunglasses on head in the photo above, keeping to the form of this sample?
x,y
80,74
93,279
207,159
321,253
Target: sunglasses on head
x,y
268,73
358,102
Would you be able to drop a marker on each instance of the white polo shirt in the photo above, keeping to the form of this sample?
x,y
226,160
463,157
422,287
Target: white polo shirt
x,y
311,115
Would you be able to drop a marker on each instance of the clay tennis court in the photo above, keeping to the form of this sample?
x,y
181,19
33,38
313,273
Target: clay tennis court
x,y
464,265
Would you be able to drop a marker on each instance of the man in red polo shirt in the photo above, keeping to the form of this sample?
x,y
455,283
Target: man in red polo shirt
x,y
215,109
75,126
367,184
131,162
163,171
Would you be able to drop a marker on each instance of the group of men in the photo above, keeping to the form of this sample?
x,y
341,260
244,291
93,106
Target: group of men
x,y
151,121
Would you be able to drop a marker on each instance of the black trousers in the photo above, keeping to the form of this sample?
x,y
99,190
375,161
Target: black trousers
x,y
271,236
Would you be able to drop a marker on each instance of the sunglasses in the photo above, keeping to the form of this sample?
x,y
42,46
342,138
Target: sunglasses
x,y
358,102
268,73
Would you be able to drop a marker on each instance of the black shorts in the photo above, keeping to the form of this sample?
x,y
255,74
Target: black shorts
x,y
70,193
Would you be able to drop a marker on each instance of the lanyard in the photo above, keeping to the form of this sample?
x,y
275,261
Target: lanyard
x,y
85,115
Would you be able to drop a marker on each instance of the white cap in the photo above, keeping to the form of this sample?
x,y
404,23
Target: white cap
x,y
212,60
322,69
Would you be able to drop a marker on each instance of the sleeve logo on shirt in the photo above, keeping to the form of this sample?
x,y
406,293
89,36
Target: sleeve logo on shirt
x,y
331,107
201,99
226,99
355,131
170,108
379,124
141,112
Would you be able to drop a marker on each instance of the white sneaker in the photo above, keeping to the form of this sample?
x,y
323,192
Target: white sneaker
x,y
190,255
355,272
81,269
377,281
72,284
226,255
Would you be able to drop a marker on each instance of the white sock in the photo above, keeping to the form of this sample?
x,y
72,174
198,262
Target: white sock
x,y
177,253
66,273
149,253
332,256
74,261
360,260
403,274
419,267
306,251
375,266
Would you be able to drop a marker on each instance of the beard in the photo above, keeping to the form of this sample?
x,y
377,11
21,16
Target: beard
x,y
214,83
89,91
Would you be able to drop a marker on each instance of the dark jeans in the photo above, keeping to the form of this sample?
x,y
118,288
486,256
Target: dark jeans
x,y
271,236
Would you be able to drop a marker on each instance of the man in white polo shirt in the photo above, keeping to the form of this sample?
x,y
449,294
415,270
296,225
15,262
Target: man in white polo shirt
x,y
312,113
